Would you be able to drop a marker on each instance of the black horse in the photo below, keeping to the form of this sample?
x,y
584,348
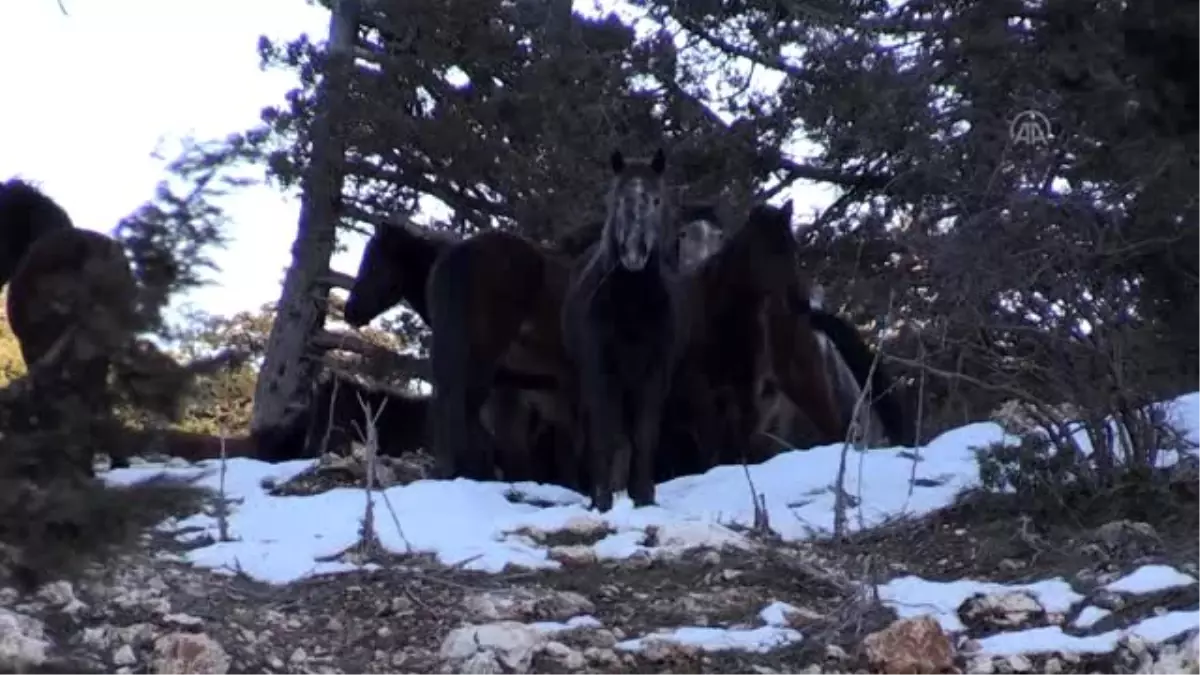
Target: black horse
x,y
622,330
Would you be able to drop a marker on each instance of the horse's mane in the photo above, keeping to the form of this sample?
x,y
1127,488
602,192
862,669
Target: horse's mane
x,y
26,213
411,229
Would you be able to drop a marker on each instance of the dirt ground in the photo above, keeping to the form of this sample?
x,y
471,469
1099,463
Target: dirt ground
x,y
396,617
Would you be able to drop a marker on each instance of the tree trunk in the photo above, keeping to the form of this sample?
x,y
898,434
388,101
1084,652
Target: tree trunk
x,y
286,372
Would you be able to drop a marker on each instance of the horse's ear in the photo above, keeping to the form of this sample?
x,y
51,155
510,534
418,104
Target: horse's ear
x,y
659,161
617,160
786,210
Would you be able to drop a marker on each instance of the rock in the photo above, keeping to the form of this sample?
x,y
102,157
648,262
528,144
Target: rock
x,y
835,653
483,663
124,656
657,648
183,620
1183,658
23,642
1001,610
586,526
601,656
1052,666
189,653
526,604
578,555
513,643
1106,599
981,665
563,657
1018,664
915,645
1127,538
57,593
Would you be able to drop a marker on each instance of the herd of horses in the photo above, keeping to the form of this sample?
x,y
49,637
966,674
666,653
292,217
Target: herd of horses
x,y
660,343
663,347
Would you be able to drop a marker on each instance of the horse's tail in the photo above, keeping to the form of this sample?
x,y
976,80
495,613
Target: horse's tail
x,y
859,357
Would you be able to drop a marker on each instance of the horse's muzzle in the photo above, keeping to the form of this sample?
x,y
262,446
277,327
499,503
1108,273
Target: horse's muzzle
x,y
634,258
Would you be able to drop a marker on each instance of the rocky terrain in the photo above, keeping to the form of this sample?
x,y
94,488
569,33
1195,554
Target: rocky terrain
x,y
763,607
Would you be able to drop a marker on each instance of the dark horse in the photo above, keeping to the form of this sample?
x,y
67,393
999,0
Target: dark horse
x,y
751,344
492,302
71,302
848,360
25,214
73,305
620,322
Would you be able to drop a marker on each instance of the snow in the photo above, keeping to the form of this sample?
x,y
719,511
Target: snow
x,y
575,622
762,639
776,613
1089,615
1053,639
1151,579
476,526
913,596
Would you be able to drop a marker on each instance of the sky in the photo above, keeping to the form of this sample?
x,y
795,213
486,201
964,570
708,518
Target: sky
x,y
108,83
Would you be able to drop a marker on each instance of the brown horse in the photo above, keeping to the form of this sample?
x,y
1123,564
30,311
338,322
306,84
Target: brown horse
x,y
621,324
72,299
848,365
507,369
752,342
72,304
494,300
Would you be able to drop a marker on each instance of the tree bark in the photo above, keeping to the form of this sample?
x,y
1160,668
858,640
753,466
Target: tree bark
x,y
285,372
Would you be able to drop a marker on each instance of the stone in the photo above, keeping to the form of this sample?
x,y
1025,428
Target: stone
x,y
578,555
913,645
189,653
982,665
124,656
1019,664
512,643
1001,610
23,642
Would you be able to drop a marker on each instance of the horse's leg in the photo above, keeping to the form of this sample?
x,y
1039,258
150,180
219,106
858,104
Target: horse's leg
x,y
800,370
895,420
646,434
461,374
507,422
603,428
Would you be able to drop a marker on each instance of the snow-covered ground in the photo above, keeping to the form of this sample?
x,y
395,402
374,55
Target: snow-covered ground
x,y
475,525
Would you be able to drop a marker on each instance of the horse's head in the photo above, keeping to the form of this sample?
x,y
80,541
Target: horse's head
x,y
700,236
768,232
395,264
25,214
767,243
637,210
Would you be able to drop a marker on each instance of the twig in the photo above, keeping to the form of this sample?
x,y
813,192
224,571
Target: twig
x,y
333,394
762,520
371,441
839,495
222,504
912,474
